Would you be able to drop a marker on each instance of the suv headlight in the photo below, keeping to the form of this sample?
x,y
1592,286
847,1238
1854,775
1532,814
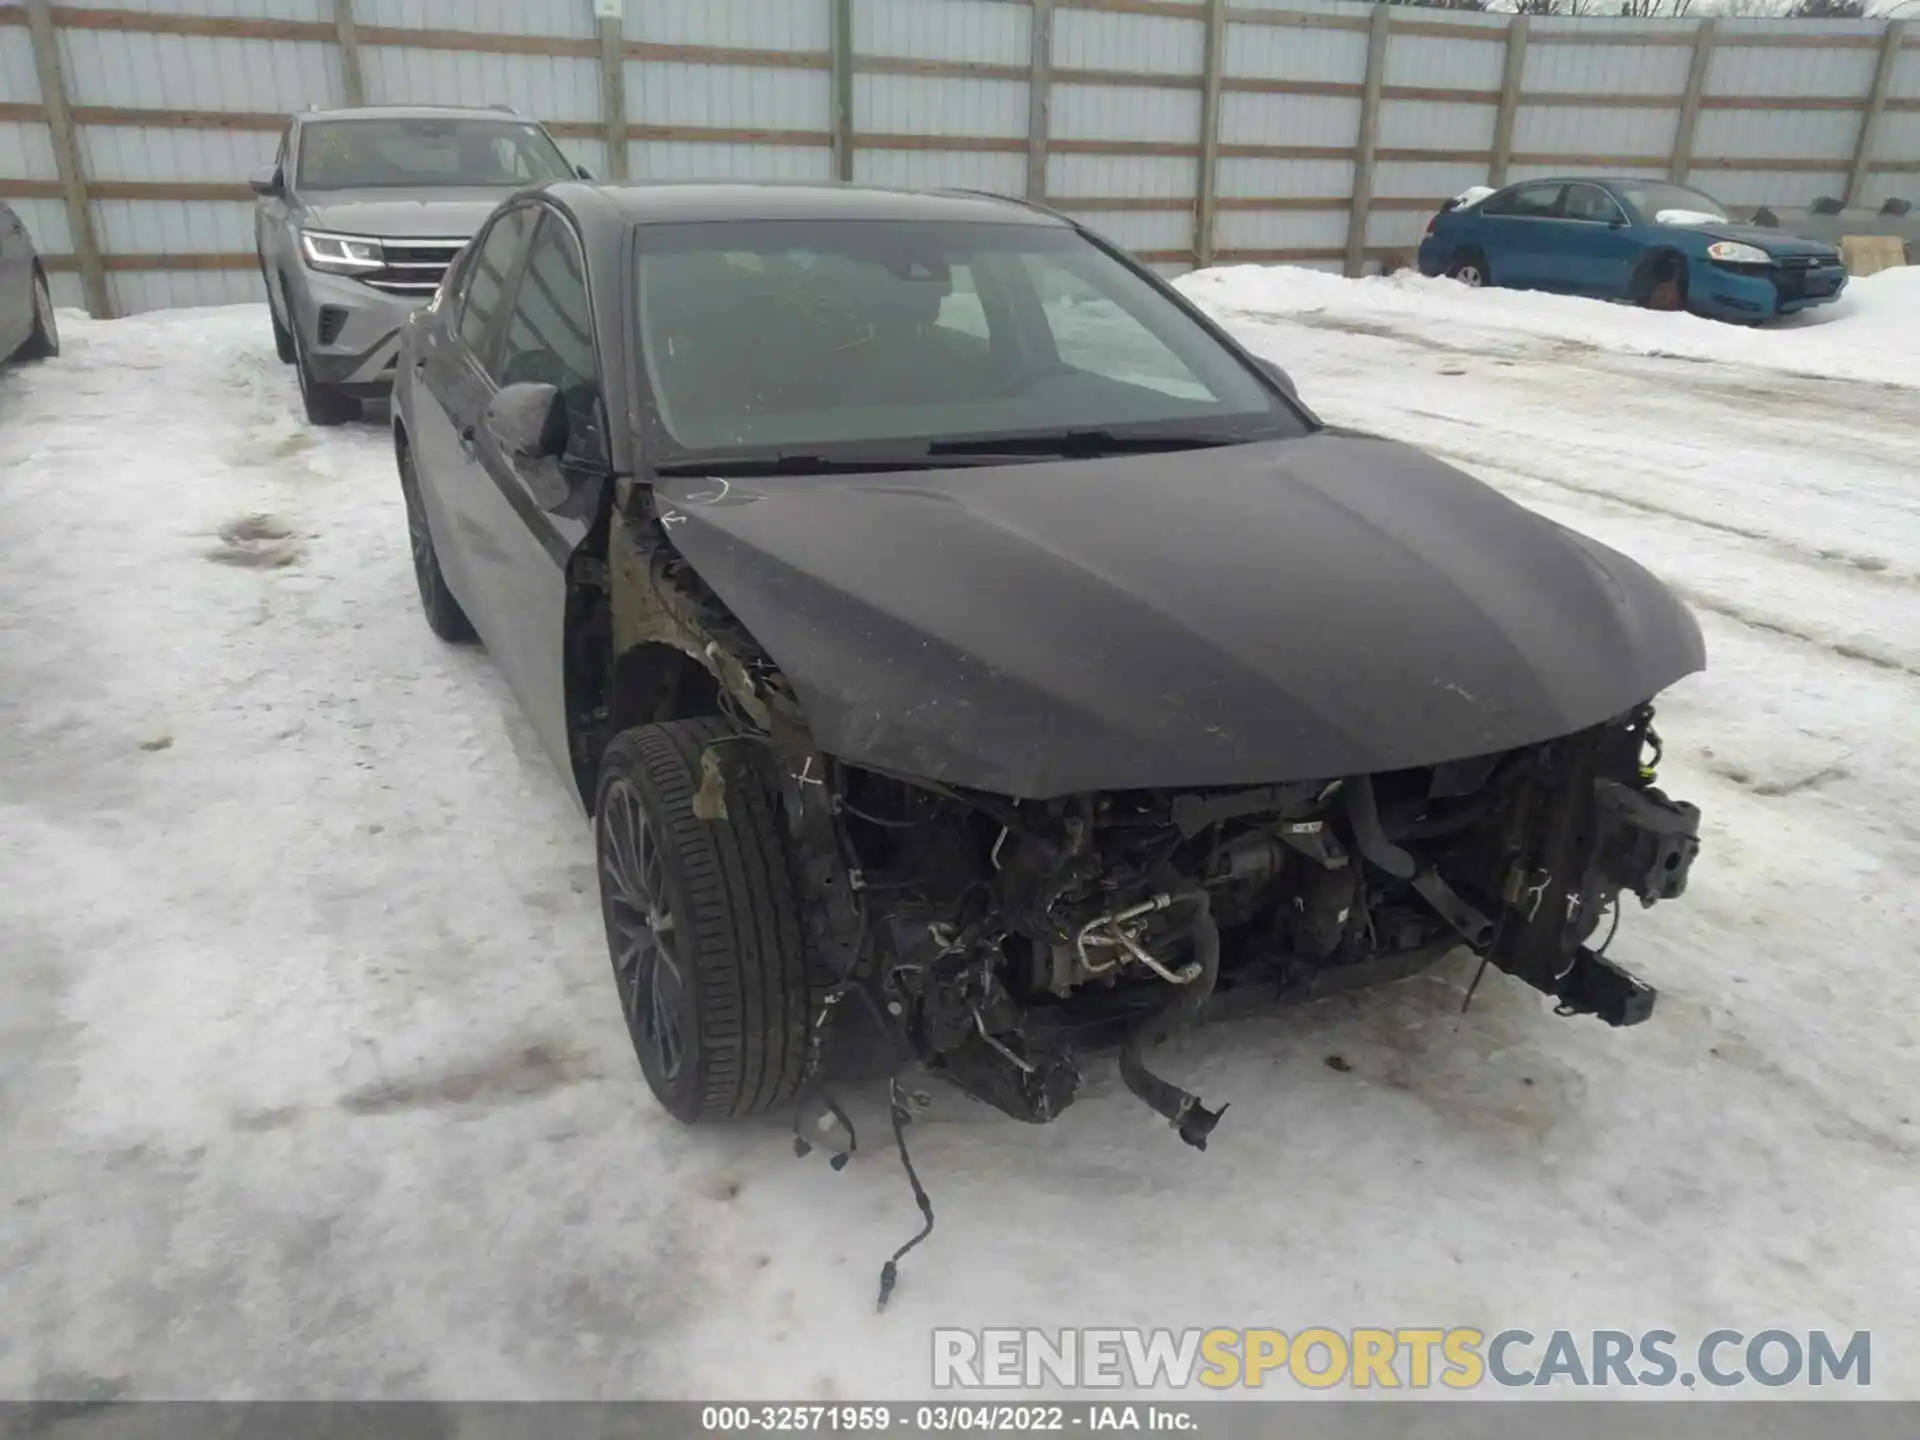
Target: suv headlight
x,y
1732,252
341,254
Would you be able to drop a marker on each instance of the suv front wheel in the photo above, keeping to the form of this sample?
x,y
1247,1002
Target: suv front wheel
x,y
282,336
324,404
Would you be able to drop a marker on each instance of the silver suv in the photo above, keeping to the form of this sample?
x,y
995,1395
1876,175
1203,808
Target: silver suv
x,y
360,215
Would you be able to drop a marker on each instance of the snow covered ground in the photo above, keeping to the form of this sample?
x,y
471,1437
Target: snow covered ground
x,y
311,1078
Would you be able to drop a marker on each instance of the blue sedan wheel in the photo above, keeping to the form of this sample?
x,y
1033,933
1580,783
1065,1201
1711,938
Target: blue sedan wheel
x,y
1469,267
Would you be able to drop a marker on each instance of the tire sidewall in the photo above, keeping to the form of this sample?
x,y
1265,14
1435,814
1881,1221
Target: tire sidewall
x,y
624,765
320,404
444,614
1469,261
46,324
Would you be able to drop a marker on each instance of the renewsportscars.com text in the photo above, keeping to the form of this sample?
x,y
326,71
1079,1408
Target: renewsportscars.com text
x,y
1461,1358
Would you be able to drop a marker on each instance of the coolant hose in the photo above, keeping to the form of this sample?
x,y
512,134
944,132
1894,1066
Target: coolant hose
x,y
1183,1110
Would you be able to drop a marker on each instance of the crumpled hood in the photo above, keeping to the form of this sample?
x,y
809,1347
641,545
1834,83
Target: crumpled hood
x,y
407,215
1328,606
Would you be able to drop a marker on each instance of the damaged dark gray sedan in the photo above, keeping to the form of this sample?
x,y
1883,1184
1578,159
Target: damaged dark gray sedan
x,y
970,656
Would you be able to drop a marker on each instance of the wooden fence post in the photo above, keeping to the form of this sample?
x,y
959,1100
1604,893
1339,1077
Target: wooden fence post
x,y
66,156
352,79
1690,103
1511,84
1207,193
1870,117
842,89
1378,36
1039,99
613,86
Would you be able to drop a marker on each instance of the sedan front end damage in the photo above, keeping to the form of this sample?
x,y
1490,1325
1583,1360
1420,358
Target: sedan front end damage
x,y
1001,903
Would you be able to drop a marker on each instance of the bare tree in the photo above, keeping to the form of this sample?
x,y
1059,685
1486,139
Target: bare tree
x,y
1828,10
1656,9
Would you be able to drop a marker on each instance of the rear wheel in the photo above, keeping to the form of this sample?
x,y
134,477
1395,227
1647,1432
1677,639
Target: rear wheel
x,y
702,920
444,615
1469,267
44,342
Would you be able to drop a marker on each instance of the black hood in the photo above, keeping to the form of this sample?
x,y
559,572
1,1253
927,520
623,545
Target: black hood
x,y
1302,609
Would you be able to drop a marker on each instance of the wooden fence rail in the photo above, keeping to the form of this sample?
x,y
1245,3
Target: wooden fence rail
x,y
612,48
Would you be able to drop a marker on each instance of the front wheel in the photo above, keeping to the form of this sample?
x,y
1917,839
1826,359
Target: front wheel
x,y
1660,283
324,404
282,336
702,919
44,342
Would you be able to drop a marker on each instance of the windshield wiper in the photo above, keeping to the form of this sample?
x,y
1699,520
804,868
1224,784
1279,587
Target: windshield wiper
x,y
1079,444
797,463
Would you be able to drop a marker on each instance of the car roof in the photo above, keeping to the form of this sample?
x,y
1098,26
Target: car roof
x,y
671,202
413,112
1601,180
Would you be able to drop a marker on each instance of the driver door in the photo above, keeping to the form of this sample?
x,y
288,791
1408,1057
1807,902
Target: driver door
x,y
534,513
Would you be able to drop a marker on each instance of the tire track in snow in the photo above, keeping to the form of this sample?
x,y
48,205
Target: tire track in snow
x,y
1868,565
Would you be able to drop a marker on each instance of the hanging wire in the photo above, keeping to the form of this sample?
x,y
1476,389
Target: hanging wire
x,y
890,1272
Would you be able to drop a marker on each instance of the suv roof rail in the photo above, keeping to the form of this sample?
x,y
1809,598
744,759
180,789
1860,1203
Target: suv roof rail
x,y
504,109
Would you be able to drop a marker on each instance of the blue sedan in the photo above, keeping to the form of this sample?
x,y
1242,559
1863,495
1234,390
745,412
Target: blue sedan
x,y
1646,242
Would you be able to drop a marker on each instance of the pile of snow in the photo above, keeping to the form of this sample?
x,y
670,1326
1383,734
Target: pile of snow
x,y
1472,195
1872,333
1688,217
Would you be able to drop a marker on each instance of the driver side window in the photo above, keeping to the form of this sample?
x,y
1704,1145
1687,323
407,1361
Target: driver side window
x,y
549,334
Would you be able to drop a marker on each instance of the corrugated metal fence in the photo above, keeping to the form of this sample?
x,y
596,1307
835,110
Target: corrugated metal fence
x,y
1312,131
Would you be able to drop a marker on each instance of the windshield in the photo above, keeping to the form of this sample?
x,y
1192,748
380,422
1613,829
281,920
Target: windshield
x,y
393,153
1651,197
766,335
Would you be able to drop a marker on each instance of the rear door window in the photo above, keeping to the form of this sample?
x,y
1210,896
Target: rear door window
x,y
1537,202
1592,204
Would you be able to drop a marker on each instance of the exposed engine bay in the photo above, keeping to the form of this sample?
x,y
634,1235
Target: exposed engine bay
x,y
1011,937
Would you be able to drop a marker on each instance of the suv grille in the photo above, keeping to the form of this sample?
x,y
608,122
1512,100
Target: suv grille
x,y
414,267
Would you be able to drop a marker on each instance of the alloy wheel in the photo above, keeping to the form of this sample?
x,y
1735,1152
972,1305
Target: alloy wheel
x,y
645,964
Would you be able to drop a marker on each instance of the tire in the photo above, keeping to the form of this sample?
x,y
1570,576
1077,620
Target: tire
x,y
444,615
716,1002
44,342
283,345
324,404
1469,267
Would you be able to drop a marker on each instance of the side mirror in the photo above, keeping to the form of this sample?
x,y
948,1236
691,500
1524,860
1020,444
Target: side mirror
x,y
1280,378
528,422
583,172
266,182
